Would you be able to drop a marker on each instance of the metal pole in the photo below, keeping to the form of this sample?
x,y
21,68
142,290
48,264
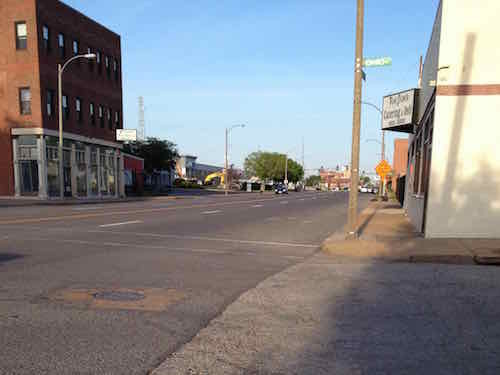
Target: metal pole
x,y
226,192
60,149
286,170
383,158
356,126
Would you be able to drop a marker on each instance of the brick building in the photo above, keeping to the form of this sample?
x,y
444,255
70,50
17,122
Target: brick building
x,y
36,36
400,161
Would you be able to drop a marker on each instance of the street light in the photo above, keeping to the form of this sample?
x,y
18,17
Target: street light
x,y
226,161
60,71
382,155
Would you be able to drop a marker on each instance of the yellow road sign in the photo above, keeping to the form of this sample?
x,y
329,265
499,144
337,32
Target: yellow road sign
x,y
383,168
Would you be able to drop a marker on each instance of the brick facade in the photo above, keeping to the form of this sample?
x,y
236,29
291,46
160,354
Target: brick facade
x,y
36,67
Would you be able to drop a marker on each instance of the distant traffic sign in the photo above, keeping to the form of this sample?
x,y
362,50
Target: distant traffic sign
x,y
379,61
383,168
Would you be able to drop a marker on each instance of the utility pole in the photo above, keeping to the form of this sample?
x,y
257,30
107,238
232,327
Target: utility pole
x,y
356,125
286,170
226,192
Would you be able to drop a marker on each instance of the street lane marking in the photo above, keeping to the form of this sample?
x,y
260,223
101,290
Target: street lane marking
x,y
257,206
129,212
87,208
285,202
302,199
211,212
308,222
215,239
118,224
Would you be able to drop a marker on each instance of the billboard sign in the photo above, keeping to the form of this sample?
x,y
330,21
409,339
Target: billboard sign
x,y
400,111
126,135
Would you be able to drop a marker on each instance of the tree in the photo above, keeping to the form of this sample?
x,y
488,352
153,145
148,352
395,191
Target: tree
x,y
157,154
365,180
313,180
271,166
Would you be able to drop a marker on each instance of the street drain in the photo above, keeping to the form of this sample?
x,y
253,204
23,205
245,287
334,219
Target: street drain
x,y
119,296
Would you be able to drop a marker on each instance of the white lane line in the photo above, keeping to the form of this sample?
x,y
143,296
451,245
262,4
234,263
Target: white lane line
x,y
284,202
302,199
314,198
215,239
292,218
308,222
211,212
257,206
118,224
87,208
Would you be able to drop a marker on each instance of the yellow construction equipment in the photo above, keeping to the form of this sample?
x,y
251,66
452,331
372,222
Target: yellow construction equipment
x,y
209,180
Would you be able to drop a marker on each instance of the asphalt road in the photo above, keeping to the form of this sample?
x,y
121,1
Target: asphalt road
x,y
115,288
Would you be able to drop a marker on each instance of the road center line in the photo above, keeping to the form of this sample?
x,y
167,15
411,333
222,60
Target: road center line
x,y
211,212
118,224
257,206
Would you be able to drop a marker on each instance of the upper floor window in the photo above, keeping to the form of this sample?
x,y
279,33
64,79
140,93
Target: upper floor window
x,y
91,61
65,107
108,117
117,120
101,117
78,108
99,61
62,45
21,35
50,103
107,65
92,113
25,100
76,47
46,37
115,69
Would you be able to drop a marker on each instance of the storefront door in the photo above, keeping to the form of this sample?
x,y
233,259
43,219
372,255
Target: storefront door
x,y
29,177
67,182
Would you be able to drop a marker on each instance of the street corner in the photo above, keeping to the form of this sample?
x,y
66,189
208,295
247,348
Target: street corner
x,y
139,299
356,248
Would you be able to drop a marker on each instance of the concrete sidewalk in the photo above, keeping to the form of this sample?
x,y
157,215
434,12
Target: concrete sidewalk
x,y
386,234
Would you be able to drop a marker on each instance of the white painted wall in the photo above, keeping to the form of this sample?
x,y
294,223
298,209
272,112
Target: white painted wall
x,y
464,195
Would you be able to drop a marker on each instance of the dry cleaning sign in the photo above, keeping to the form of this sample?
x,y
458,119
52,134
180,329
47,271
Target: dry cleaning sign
x,y
399,110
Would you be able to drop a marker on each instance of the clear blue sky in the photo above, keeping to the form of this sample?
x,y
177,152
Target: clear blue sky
x,y
282,67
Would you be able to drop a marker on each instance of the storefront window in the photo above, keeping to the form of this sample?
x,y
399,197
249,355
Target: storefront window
x,y
52,171
94,190
81,173
104,173
111,174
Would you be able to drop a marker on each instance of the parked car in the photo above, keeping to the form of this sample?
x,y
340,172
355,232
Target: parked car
x,y
281,189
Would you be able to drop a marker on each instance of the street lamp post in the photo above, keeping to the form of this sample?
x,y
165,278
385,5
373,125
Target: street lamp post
x,y
60,71
226,159
382,155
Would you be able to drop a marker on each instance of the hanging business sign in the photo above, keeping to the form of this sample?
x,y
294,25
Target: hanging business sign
x,y
126,135
400,111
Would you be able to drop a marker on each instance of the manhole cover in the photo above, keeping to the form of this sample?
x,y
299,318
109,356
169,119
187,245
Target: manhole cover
x,y
116,295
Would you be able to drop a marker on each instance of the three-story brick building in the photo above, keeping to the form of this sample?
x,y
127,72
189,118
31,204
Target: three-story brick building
x,y
36,36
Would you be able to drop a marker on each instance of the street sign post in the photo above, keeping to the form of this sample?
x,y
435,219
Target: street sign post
x,y
383,169
378,61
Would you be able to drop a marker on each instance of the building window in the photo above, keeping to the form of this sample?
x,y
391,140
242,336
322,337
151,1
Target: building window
x,y
107,65
46,37
108,117
76,47
117,120
91,61
78,108
62,45
65,107
418,156
50,103
115,69
101,117
21,35
99,61
25,100
92,113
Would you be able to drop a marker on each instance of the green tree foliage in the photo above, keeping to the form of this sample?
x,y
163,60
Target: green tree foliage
x,y
365,180
157,154
313,180
271,166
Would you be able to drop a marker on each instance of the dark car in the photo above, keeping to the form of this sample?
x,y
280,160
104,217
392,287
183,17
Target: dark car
x,y
280,189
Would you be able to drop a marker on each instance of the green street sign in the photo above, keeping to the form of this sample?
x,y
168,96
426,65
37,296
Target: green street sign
x,y
379,61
